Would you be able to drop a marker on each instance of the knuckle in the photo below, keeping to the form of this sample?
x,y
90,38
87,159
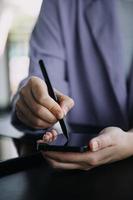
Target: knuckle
x,y
101,143
32,80
22,92
53,108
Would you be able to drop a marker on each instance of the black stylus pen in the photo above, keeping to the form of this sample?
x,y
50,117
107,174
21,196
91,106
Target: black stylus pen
x,y
52,94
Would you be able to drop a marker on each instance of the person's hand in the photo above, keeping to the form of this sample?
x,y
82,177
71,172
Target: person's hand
x,y
112,144
37,109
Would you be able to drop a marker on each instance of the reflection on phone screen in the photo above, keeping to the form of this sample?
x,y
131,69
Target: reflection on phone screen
x,y
76,139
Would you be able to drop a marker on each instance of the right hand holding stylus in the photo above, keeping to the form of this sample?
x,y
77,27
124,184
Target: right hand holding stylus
x,y
37,109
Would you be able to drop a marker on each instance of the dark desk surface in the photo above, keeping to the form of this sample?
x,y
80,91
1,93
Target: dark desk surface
x,y
30,178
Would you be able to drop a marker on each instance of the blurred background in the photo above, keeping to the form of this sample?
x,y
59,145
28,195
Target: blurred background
x,y
17,19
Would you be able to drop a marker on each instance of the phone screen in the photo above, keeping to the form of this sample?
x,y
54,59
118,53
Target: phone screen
x,y
78,142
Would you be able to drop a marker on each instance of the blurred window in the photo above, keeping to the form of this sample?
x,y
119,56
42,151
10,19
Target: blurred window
x,y
16,22
18,45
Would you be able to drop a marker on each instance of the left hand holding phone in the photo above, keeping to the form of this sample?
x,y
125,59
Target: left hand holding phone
x,y
112,144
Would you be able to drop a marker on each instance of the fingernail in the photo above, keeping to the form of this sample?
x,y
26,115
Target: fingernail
x,y
45,137
95,146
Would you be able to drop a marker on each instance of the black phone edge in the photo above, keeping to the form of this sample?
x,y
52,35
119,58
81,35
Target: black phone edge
x,y
65,148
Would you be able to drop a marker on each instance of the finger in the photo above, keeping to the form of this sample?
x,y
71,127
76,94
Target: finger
x,y
100,142
53,107
65,102
37,109
48,137
26,116
21,117
65,166
40,142
38,88
86,160
103,156
54,132
67,157
40,93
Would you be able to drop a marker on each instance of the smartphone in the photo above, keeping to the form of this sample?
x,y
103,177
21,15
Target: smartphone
x,y
78,142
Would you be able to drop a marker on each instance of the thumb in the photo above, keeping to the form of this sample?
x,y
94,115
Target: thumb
x,y
100,142
38,88
66,103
